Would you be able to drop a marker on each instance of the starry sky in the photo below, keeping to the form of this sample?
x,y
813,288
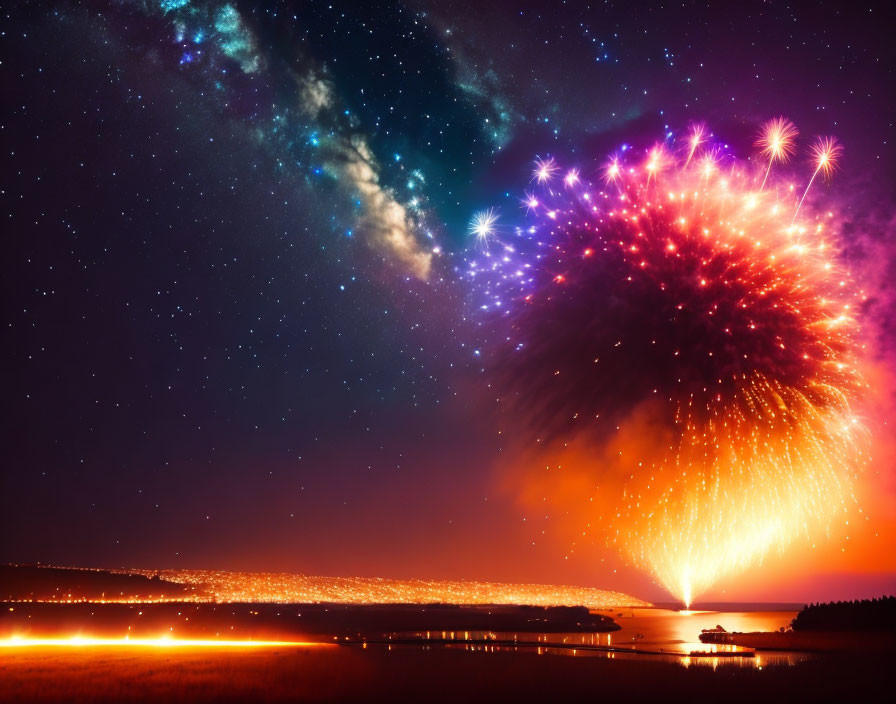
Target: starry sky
x,y
235,335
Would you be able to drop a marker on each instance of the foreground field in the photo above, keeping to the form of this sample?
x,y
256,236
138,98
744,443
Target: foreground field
x,y
344,673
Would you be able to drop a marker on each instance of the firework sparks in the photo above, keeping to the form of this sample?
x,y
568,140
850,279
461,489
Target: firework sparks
x,y
655,162
483,225
545,170
709,357
777,142
708,165
825,152
612,170
530,202
696,139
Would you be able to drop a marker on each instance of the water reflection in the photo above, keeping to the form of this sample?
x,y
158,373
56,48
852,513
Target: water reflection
x,y
656,633
679,632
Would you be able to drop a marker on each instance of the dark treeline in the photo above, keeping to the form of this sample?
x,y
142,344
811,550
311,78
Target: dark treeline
x,y
864,615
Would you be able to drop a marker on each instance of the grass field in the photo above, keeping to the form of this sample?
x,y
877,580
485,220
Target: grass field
x,y
353,674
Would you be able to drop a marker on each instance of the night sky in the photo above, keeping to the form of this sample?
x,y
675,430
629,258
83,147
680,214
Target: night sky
x,y
236,336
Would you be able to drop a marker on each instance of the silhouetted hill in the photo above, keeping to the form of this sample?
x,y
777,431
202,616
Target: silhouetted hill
x,y
34,582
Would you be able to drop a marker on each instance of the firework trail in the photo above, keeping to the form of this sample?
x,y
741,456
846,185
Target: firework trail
x,y
825,153
706,347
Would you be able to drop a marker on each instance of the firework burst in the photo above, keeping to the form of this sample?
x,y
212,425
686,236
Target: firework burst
x,y
701,340
483,225
544,171
825,154
777,142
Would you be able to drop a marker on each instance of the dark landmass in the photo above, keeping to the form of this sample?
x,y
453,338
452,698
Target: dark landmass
x,y
289,621
39,583
461,674
837,627
864,615
61,602
808,641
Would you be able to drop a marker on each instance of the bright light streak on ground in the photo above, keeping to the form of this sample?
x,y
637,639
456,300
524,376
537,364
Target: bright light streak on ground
x,y
161,642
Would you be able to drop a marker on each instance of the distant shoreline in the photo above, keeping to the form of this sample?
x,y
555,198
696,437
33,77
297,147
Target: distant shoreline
x,y
44,583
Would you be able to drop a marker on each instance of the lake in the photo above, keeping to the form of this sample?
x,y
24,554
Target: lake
x,y
666,634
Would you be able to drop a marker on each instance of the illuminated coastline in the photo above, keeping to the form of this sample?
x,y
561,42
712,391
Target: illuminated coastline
x,y
215,586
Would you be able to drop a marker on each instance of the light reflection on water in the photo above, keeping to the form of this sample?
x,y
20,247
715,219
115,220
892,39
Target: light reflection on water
x,y
653,633
679,632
